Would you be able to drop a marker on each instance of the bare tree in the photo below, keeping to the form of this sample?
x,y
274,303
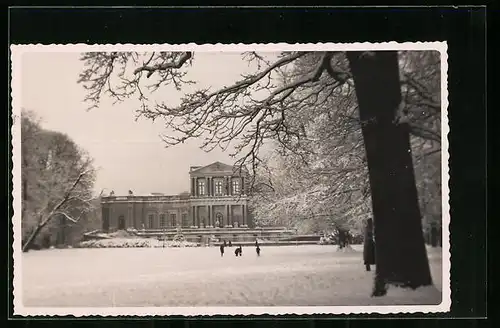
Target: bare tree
x,y
267,105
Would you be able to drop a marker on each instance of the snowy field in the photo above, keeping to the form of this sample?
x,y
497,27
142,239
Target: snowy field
x,y
284,276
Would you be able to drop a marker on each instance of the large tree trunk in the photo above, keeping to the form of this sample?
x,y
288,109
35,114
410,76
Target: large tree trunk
x,y
401,257
434,235
62,231
440,236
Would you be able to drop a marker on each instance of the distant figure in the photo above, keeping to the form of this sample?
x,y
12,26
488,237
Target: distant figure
x,y
221,250
258,250
230,244
241,250
225,244
369,245
237,252
256,243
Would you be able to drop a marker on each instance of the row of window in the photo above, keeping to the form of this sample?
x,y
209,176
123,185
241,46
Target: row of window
x,y
218,187
172,222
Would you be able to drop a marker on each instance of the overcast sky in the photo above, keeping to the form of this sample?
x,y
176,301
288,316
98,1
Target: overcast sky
x,y
128,154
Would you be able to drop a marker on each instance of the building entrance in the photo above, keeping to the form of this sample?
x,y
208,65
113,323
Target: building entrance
x,y
218,220
121,223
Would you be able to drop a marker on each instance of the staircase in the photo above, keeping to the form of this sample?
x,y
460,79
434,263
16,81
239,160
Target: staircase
x,y
271,236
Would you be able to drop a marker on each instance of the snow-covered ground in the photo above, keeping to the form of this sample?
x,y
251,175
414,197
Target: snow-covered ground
x,y
288,275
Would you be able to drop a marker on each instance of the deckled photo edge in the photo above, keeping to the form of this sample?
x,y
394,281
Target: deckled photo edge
x,y
19,309
445,177
16,90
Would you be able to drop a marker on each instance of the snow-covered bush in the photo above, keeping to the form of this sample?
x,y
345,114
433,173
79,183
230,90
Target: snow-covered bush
x,y
179,237
133,243
327,240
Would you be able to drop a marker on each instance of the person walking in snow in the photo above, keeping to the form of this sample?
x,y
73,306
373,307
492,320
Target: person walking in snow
x,y
238,251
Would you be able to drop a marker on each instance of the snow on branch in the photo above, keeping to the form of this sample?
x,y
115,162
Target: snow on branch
x,y
244,115
164,66
74,220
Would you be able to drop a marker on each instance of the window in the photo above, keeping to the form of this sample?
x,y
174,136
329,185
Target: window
x,y
236,186
185,219
173,220
201,187
151,219
218,188
162,221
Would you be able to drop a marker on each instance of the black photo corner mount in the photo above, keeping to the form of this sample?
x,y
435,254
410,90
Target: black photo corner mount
x,y
463,28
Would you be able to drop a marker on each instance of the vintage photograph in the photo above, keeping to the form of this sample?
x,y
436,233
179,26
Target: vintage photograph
x,y
230,179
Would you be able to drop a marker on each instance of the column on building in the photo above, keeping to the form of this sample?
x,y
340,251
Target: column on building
x,y
208,216
194,215
226,216
244,215
143,217
211,215
209,186
193,187
197,217
130,216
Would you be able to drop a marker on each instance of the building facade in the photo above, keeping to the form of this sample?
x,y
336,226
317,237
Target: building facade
x,y
218,198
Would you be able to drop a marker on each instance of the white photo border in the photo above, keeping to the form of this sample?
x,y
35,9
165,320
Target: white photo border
x,y
16,85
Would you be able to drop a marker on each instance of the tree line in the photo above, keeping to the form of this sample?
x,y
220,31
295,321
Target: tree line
x,y
58,204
